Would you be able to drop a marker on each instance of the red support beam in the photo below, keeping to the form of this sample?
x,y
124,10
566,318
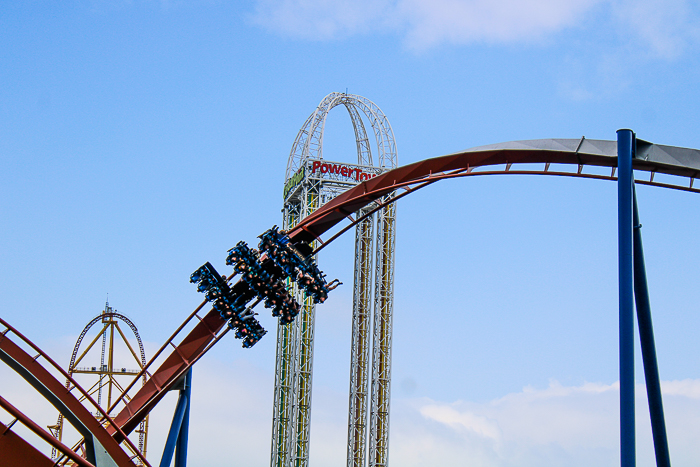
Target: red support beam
x,y
19,447
16,451
56,393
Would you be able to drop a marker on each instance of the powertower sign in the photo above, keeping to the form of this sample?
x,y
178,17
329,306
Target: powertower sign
x,y
355,173
310,182
336,175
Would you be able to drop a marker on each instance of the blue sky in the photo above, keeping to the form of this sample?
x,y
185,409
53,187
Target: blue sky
x,y
140,139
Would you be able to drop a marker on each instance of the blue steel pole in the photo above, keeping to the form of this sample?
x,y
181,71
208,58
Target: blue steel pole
x,y
181,452
171,442
646,337
625,181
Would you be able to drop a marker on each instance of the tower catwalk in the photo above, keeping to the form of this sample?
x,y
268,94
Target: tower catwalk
x,y
310,182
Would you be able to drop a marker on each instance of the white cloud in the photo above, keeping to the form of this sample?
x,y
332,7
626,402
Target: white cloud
x,y
231,416
425,24
503,21
689,388
665,28
452,417
558,425
659,27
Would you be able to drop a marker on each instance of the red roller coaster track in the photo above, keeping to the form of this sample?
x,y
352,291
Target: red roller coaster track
x,y
495,159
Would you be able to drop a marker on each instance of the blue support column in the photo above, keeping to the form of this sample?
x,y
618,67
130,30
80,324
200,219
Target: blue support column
x,y
646,337
181,452
175,434
625,181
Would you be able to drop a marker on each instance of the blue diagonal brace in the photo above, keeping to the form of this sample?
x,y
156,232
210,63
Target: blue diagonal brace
x,y
646,337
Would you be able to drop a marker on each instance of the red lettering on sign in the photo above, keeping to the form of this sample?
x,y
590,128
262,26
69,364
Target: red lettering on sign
x,y
342,170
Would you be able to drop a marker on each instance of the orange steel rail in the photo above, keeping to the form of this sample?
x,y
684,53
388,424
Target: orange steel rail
x,y
420,174
15,459
183,356
16,451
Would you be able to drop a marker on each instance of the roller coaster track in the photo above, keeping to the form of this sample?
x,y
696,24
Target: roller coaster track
x,y
499,159
486,160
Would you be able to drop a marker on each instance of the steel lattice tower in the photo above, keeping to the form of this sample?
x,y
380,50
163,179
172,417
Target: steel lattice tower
x,y
108,372
310,182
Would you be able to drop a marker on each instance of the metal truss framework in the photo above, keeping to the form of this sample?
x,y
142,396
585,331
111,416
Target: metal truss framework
x,y
98,447
360,357
107,371
309,185
381,339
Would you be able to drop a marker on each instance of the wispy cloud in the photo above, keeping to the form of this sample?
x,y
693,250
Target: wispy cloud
x,y
504,21
557,425
662,28
689,388
424,24
455,419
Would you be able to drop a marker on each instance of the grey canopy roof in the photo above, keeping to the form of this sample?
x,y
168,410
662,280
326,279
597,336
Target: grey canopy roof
x,y
676,160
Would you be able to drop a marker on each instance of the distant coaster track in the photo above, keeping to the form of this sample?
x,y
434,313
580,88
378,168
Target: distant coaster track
x,y
210,328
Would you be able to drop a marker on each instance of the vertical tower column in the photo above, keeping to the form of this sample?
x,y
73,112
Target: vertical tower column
x,y
304,366
625,187
382,333
359,357
285,370
282,427
303,380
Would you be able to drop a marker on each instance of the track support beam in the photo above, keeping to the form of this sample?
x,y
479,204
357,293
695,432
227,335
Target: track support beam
x,y
646,337
625,187
178,434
